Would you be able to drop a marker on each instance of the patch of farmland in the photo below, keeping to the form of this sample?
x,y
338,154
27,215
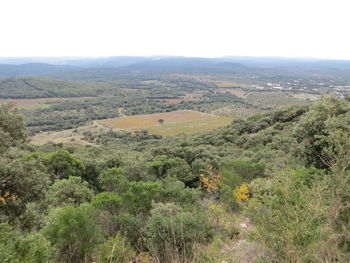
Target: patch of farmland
x,y
176,122
72,136
306,96
238,92
273,100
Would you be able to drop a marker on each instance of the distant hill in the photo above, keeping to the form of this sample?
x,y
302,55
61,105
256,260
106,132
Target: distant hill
x,y
186,65
115,67
7,70
34,87
105,68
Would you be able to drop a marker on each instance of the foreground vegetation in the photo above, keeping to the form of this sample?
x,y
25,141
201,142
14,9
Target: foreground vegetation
x,y
271,188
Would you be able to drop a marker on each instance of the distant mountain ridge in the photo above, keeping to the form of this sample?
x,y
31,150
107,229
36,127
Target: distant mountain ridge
x,y
164,64
7,70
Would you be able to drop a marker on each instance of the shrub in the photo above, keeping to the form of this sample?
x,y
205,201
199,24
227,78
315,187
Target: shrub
x,y
109,205
17,248
140,195
71,191
176,192
73,232
289,216
63,164
172,232
113,180
115,250
21,182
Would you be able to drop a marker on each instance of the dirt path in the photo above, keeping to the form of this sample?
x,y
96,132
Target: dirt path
x,y
244,250
121,112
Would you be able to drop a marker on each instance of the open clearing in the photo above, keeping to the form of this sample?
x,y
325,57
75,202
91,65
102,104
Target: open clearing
x,y
238,92
176,122
72,136
305,96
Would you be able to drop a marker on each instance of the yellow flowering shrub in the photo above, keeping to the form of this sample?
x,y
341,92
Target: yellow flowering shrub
x,y
241,193
210,181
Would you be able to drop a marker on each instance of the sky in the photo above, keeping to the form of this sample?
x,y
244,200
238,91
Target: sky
x,y
215,28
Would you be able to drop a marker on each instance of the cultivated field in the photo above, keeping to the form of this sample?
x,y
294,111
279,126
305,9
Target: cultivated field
x,y
175,122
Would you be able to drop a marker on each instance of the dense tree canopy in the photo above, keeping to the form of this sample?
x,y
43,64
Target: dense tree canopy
x,y
12,126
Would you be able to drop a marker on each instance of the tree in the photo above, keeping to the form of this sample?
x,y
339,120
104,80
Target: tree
x,y
113,180
63,164
314,128
109,205
12,126
21,182
139,197
71,191
163,166
73,232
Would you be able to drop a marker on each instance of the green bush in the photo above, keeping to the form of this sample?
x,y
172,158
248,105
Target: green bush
x,y
113,180
71,191
21,182
73,232
176,192
313,129
115,250
109,205
140,195
62,164
18,248
289,215
172,232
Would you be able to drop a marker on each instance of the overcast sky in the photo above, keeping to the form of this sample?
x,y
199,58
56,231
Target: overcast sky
x,y
289,28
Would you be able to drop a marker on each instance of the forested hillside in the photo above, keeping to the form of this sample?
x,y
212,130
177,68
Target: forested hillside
x,y
30,87
30,69
273,187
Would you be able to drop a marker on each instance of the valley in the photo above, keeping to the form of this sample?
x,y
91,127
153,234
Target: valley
x,y
175,160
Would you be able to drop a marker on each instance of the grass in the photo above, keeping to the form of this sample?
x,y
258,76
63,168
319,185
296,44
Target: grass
x,y
175,122
71,136
305,96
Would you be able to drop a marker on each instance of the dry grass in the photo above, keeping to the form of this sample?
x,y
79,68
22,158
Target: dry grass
x,y
175,122
238,92
72,136
305,96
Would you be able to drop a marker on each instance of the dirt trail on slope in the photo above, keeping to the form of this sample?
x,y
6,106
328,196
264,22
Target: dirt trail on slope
x,y
244,250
